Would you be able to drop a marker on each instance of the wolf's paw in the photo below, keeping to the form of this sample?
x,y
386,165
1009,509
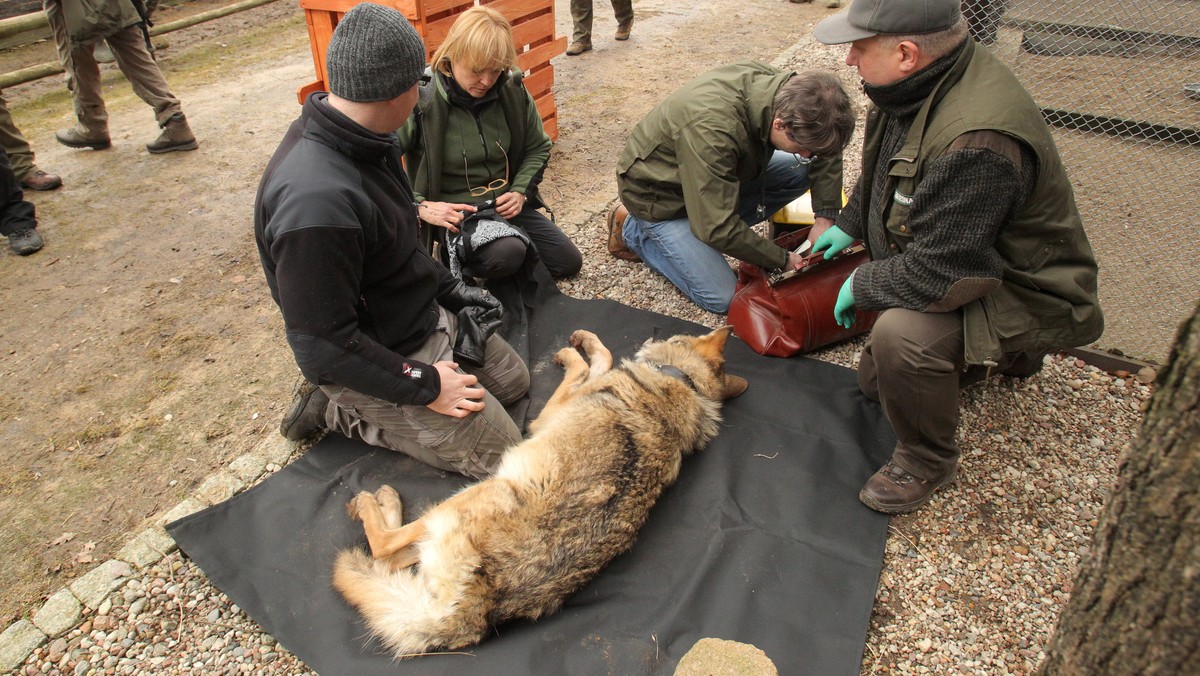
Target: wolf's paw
x,y
388,499
566,356
580,337
354,507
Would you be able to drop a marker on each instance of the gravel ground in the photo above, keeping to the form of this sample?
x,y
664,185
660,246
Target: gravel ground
x,y
971,584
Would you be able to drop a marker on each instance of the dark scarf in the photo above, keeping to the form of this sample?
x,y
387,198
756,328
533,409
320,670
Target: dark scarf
x,y
463,99
900,101
904,97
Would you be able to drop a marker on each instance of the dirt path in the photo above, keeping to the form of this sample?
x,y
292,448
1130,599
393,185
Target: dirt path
x,y
141,349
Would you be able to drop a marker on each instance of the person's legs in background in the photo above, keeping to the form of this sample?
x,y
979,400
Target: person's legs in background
x,y
18,219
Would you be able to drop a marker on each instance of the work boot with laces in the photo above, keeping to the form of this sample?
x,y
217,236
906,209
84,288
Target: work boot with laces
x,y
623,30
25,241
78,137
893,490
578,47
176,135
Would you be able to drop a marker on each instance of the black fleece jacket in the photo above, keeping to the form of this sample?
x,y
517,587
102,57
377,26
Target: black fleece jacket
x,y
337,235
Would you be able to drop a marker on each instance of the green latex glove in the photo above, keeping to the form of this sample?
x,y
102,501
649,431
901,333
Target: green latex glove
x,y
833,239
843,309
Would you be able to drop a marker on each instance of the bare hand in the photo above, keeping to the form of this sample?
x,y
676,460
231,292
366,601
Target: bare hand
x,y
510,204
460,395
446,215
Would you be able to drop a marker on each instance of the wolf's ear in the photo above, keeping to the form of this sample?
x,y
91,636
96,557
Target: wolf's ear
x,y
712,346
732,386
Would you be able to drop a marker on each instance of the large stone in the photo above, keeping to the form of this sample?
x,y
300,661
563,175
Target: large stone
x,y
718,657
17,642
95,586
249,466
147,547
59,614
219,487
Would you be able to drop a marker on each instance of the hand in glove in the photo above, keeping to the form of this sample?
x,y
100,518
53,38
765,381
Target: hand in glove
x,y
462,294
833,239
843,309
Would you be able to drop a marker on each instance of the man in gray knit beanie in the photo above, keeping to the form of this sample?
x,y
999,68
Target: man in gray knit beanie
x,y
374,55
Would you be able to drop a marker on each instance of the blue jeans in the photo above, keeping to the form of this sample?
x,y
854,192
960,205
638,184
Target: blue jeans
x,y
700,271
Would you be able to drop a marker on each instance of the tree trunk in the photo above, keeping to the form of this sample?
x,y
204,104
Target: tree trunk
x,y
1135,608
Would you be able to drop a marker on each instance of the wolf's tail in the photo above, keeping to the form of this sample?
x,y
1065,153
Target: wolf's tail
x,y
403,608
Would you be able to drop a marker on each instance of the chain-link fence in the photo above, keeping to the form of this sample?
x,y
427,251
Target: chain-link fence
x,y
1119,82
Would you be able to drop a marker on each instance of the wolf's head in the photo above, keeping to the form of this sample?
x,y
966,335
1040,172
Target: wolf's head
x,y
701,359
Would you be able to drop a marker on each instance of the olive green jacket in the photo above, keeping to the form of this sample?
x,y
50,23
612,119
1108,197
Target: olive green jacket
x,y
690,155
1047,297
438,135
92,20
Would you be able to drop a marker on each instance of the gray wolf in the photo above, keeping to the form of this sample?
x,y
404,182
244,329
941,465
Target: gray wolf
x,y
561,506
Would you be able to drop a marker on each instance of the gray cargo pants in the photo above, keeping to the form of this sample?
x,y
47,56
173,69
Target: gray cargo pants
x,y
472,445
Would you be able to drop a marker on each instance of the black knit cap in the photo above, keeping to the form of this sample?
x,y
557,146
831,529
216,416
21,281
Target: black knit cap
x,y
374,55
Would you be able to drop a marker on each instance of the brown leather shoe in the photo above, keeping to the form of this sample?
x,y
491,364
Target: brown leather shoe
x,y
578,47
616,243
40,180
623,30
892,490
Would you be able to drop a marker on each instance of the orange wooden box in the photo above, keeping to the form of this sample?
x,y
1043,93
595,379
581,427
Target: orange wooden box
x,y
533,32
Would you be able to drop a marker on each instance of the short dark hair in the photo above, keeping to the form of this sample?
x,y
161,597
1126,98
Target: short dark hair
x,y
815,109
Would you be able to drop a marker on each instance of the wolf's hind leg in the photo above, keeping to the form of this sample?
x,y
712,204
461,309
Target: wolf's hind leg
x,y
385,541
597,354
390,506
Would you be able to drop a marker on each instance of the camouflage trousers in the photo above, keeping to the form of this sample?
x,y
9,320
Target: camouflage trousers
x,y
471,445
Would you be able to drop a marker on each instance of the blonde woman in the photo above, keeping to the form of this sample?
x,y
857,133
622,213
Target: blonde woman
x,y
475,136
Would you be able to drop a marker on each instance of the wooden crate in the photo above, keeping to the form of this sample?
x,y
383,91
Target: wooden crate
x,y
533,33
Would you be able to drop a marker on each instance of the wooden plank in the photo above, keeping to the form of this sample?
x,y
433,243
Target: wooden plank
x,y
407,7
431,9
320,29
538,82
303,92
518,11
545,105
551,126
542,54
533,32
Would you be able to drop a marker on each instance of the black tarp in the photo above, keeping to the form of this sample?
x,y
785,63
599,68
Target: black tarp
x,y
762,540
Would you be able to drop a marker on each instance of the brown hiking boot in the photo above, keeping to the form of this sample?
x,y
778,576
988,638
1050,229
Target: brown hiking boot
x,y
76,137
616,243
892,490
623,30
40,180
578,47
176,135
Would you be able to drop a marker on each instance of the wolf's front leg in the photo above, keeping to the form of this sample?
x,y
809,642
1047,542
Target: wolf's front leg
x,y
597,354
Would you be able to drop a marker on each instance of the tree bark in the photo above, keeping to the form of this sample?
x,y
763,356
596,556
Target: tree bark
x,y
1135,608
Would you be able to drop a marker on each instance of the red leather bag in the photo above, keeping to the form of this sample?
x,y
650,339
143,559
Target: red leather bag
x,y
791,313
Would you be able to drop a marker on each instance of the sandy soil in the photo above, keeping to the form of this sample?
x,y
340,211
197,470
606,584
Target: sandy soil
x,y
141,350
